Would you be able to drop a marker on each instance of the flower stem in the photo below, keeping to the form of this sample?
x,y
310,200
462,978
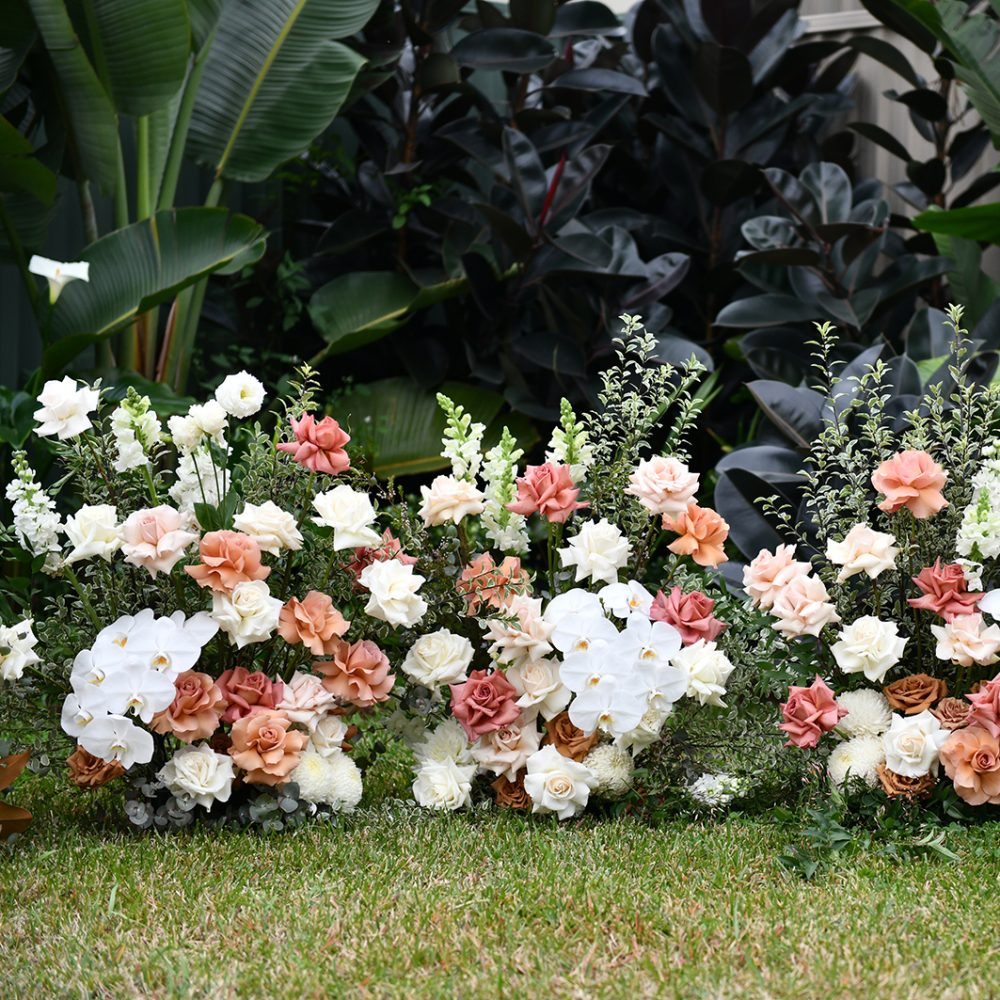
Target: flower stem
x,y
153,495
84,599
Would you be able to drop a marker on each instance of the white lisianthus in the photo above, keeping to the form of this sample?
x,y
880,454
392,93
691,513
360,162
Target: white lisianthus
x,y
444,784
351,515
598,552
184,432
114,737
438,658
197,772
248,614
17,650
856,758
539,687
59,273
707,669
450,499
272,528
557,784
868,713
715,790
328,735
912,744
394,598
240,395
447,741
612,768
64,409
204,421
868,646
93,532
862,550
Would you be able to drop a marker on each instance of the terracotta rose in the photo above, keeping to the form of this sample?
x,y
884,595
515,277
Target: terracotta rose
x,y
88,771
898,785
357,673
952,713
914,694
227,558
265,747
246,692
569,740
511,794
195,711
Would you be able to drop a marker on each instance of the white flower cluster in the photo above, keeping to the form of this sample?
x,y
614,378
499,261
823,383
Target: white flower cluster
x,y
136,431
17,650
979,533
36,522
199,480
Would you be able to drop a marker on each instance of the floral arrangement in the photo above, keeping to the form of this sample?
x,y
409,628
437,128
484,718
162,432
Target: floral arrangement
x,y
225,613
882,589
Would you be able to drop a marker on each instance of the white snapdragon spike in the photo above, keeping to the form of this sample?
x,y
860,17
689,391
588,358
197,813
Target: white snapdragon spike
x,y
136,430
17,650
36,523
351,515
912,744
64,409
570,444
115,737
204,424
707,669
58,273
393,587
557,784
249,614
134,687
598,552
93,531
272,528
614,705
647,643
505,529
240,395
463,440
624,599
444,785
199,480
170,645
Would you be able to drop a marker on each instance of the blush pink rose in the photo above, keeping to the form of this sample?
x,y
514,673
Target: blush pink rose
x,y
911,479
803,607
985,710
547,490
318,445
305,700
663,485
691,614
266,748
484,703
227,558
810,712
246,692
155,539
389,548
943,590
768,574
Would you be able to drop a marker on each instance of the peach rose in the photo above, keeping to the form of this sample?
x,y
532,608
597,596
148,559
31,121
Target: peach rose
x,y
227,558
911,479
88,771
314,622
768,574
803,607
971,758
246,693
265,747
357,674
691,614
547,490
319,446
568,739
952,713
703,535
810,712
195,712
484,702
155,539
915,693
985,710
943,590
483,582
663,485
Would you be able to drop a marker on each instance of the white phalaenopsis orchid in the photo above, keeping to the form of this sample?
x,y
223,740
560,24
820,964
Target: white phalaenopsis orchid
x,y
58,273
114,737
135,687
575,601
625,599
580,671
612,705
170,645
578,632
648,643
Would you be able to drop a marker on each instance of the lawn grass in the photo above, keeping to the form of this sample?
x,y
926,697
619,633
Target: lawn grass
x,y
395,902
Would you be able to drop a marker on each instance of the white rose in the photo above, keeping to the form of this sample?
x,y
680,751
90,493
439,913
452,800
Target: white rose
x,y
450,499
444,784
350,513
93,532
17,650
438,658
199,773
272,528
557,784
912,744
539,687
862,551
599,551
394,597
707,670
868,646
328,735
240,395
64,408
249,614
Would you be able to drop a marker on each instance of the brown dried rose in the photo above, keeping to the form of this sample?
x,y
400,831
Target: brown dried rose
x,y
896,785
511,794
952,713
88,771
915,693
567,738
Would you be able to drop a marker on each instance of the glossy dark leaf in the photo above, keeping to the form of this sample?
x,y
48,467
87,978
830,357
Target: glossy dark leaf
x,y
526,173
599,81
533,15
574,184
929,176
897,19
888,54
795,411
585,17
665,273
727,20
779,353
674,350
726,181
508,49
738,493
767,232
831,190
878,135
767,310
928,104
723,77
438,70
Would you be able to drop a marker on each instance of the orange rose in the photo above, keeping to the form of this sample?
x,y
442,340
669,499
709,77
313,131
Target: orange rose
x,y
265,747
915,693
195,711
358,673
971,758
88,771
568,739
227,558
314,621
703,535
911,479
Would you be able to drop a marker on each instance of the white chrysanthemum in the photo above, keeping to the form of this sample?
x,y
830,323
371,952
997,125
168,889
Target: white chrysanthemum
x,y
344,786
448,741
857,758
240,395
310,775
715,790
612,767
868,713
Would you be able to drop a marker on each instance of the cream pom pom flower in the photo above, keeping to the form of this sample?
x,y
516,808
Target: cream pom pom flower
x,y
240,395
862,550
557,784
856,758
868,713
444,784
450,499
64,408
612,768
344,785
598,552
448,741
869,646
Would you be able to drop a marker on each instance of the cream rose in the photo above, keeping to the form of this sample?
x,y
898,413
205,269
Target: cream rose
x,y
305,700
506,750
64,407
155,539
707,669
869,646
912,744
351,515
663,485
444,785
393,587
450,499
539,687
862,551
438,658
199,773
272,528
93,533
966,640
557,784
328,735
803,607
248,614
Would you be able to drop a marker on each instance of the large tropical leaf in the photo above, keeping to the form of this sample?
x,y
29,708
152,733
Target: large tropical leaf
x,y
977,222
17,34
136,268
275,78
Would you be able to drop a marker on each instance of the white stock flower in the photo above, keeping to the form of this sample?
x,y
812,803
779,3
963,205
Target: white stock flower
x,y
114,737
64,407
438,658
707,669
36,523
393,587
199,480
868,646
506,750
715,790
447,741
58,273
612,768
185,433
868,713
443,784
272,528
17,650
248,614
351,515
862,550
598,552
93,531
557,784
856,758
240,395
449,499
328,735
539,686
200,774
625,599
912,744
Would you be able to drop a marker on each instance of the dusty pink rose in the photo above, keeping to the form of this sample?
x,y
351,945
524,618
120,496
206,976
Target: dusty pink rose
x,y
703,534
227,558
943,590
803,607
547,490
911,479
769,573
155,539
195,712
357,673
810,712
484,582
484,703
985,710
389,548
306,700
313,621
246,692
663,485
318,445
691,614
